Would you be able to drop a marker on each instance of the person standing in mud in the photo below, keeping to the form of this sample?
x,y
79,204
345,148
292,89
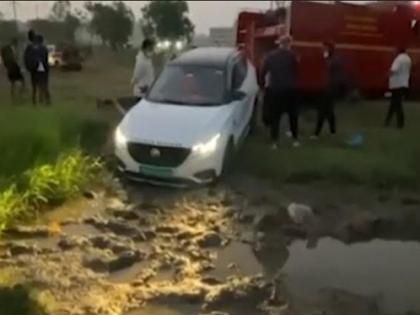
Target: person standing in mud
x,y
280,68
335,85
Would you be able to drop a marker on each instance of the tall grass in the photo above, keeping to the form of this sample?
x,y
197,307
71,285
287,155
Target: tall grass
x,y
45,185
31,137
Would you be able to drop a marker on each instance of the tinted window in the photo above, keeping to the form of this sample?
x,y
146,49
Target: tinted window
x,y
240,69
189,85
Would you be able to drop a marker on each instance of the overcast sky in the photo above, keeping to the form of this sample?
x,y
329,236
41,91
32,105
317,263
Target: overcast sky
x,y
204,14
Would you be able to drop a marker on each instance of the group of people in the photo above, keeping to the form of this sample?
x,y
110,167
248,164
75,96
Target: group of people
x,y
35,60
279,75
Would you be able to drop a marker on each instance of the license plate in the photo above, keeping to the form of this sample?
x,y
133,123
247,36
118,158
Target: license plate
x,y
156,171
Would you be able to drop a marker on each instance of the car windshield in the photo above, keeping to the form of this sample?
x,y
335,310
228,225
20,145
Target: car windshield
x,y
189,85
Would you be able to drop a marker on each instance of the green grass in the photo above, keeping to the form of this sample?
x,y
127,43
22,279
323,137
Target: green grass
x,y
41,163
47,185
19,300
388,158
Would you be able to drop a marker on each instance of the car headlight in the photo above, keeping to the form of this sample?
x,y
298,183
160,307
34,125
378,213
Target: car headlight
x,y
120,138
208,147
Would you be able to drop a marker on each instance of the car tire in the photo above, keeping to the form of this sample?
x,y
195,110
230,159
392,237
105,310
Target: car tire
x,y
228,157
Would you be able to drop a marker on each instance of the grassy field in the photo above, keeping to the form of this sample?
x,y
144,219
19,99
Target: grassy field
x,y
32,136
41,145
388,157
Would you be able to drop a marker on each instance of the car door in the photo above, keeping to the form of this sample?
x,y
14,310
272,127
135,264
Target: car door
x,y
244,80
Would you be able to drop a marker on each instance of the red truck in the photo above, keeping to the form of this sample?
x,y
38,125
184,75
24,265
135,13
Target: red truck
x,y
366,38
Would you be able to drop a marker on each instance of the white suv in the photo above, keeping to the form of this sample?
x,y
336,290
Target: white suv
x,y
193,118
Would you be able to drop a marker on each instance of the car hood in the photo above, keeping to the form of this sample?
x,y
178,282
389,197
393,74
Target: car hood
x,y
173,125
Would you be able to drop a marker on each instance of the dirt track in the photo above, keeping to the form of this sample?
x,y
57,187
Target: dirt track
x,y
160,251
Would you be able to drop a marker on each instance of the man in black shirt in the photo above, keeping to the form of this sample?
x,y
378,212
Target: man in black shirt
x,y
335,85
279,78
40,70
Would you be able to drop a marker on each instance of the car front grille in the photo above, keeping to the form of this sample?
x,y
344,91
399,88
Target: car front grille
x,y
158,155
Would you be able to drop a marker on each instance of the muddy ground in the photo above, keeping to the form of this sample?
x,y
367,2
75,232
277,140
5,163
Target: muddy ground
x,y
236,248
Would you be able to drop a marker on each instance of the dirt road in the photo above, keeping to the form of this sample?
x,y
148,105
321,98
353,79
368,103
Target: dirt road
x,y
231,249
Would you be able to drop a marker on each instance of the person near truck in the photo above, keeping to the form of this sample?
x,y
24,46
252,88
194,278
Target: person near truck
x,y
14,73
334,87
280,69
399,82
143,74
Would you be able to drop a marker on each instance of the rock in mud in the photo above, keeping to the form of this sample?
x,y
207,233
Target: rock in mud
x,y
106,262
246,217
246,292
168,229
211,239
267,222
119,227
125,260
123,214
95,220
211,280
88,194
22,231
18,248
114,243
70,242
299,213
363,227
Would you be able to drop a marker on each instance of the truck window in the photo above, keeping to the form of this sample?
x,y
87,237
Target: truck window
x,y
240,70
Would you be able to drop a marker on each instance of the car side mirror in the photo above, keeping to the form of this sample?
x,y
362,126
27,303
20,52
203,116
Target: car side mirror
x,y
238,95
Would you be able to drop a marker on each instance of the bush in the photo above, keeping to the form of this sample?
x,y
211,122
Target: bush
x,y
46,185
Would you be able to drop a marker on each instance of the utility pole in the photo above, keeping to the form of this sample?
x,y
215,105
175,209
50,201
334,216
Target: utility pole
x,y
14,10
14,4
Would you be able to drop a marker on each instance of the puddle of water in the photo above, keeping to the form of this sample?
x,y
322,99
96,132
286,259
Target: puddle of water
x,y
241,255
389,270
178,309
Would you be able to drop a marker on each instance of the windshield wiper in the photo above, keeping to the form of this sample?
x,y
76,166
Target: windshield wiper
x,y
167,100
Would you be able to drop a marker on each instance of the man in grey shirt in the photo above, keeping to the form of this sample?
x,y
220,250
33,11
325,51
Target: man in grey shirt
x,y
280,69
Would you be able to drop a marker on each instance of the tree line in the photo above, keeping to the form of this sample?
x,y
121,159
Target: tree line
x,y
113,23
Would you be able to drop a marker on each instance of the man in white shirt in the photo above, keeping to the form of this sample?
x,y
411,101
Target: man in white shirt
x,y
399,82
143,74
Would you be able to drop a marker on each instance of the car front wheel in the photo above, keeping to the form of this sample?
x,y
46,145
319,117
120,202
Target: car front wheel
x,y
228,157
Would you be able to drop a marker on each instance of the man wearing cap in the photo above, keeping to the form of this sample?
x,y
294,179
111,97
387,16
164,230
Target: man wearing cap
x,y
280,68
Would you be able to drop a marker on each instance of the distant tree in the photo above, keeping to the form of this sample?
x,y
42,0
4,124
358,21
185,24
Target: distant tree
x,y
8,29
113,23
167,20
1,15
53,31
60,10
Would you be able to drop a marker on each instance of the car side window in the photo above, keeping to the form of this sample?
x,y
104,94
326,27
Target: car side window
x,y
239,73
